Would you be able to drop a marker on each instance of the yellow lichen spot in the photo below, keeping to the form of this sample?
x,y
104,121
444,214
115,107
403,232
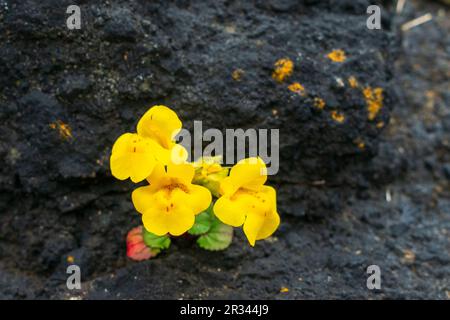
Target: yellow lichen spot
x,y
297,88
230,29
237,74
337,116
409,256
274,112
70,259
374,101
283,69
337,55
319,103
353,82
284,290
13,155
380,124
431,97
360,143
63,128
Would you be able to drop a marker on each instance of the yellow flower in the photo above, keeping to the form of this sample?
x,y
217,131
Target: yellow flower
x,y
209,173
135,155
247,201
160,124
169,204
207,166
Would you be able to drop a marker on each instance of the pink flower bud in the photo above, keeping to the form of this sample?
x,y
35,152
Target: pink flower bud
x,y
136,248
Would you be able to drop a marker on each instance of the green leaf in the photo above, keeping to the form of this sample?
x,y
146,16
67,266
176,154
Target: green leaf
x,y
156,242
219,236
202,224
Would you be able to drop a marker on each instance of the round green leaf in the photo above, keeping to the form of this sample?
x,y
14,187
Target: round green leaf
x,y
218,237
156,242
202,224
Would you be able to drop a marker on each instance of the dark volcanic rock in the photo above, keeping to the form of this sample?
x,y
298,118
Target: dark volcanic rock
x,y
68,94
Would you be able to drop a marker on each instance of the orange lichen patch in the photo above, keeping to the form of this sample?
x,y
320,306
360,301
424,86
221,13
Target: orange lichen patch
x,y
70,259
431,98
360,143
380,124
374,101
63,128
353,82
337,116
409,256
237,74
284,290
297,88
283,69
337,55
230,29
319,103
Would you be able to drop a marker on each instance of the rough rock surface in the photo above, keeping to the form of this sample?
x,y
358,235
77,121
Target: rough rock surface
x,y
67,95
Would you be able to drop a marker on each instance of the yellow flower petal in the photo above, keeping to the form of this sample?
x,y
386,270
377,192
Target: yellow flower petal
x,y
142,198
168,215
160,123
181,172
178,154
262,220
230,211
252,225
227,187
269,226
200,198
132,157
158,177
161,154
269,194
250,173
261,223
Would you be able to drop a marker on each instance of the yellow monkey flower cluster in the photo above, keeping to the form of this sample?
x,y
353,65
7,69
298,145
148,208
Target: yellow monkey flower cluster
x,y
247,201
135,155
180,195
169,204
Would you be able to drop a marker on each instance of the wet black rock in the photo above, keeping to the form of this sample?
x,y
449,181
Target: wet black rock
x,y
121,26
74,85
446,169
